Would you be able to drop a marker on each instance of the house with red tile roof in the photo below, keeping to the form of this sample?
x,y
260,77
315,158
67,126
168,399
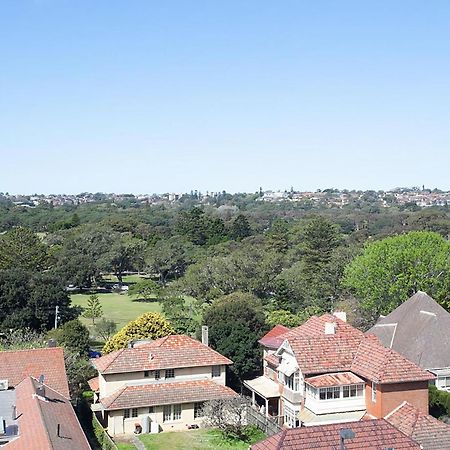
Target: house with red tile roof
x,y
366,435
326,371
161,384
35,408
44,419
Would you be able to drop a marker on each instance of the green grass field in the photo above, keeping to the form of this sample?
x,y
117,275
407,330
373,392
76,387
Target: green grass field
x,y
121,308
193,440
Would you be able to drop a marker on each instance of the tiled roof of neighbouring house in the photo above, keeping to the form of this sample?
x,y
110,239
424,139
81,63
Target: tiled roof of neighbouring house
x,y
272,338
369,435
424,318
93,384
18,364
166,394
165,353
431,433
312,327
45,422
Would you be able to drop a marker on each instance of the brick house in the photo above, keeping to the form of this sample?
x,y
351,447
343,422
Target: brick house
x,y
326,371
158,385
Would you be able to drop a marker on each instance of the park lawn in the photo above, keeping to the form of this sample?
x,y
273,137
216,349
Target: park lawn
x,y
202,439
126,278
119,307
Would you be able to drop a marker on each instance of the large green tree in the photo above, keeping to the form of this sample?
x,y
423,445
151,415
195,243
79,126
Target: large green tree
x,y
389,271
236,322
29,300
21,248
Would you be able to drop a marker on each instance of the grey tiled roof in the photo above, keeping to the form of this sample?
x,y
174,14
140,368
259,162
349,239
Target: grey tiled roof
x,y
419,329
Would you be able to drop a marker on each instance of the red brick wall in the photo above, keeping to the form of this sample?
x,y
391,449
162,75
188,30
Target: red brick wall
x,y
394,394
389,396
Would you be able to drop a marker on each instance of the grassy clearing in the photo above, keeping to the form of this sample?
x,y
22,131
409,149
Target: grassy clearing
x,y
121,308
126,279
193,440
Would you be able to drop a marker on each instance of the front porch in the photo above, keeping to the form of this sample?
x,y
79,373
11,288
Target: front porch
x,y
265,395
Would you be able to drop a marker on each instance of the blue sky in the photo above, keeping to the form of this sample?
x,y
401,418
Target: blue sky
x,y
159,96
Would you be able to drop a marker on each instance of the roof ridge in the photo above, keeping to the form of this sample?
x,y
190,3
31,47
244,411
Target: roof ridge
x,y
32,349
40,412
282,437
396,409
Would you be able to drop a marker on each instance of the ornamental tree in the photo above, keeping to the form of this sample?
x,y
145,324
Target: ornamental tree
x,y
148,326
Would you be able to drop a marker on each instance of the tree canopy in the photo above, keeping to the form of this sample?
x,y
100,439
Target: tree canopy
x,y
390,270
148,326
236,322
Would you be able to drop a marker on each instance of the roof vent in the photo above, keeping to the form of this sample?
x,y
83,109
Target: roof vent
x,y
330,328
150,356
341,315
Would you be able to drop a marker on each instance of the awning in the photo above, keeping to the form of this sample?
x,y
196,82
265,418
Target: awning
x,y
308,418
263,386
287,367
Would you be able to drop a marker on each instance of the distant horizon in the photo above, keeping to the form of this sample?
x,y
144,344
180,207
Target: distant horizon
x,y
427,188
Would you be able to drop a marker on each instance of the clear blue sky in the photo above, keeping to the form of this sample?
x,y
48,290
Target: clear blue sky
x,y
156,96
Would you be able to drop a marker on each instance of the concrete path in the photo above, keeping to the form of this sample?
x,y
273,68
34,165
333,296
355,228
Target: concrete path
x,y
137,443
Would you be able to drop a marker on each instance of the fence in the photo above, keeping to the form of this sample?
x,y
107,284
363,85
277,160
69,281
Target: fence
x,y
266,424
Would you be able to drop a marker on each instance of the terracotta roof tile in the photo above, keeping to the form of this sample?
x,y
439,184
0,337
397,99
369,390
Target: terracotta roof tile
x,y
369,435
271,339
383,365
314,326
334,379
165,353
39,418
273,360
423,428
93,384
19,364
166,394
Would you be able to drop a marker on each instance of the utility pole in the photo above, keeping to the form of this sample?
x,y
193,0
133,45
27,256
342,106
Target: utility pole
x,y
56,316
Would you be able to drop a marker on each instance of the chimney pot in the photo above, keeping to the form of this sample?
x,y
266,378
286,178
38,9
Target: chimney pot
x,y
330,328
341,315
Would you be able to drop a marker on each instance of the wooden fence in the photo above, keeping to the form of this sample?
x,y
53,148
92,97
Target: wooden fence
x,y
268,425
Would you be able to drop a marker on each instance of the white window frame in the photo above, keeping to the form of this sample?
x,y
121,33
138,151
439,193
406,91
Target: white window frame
x,y
374,392
126,413
172,413
198,410
134,412
169,373
290,416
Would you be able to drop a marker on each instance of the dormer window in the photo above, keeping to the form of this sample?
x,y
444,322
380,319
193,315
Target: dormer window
x,y
215,371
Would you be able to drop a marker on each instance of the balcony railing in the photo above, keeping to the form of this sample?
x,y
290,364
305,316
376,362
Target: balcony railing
x,y
292,396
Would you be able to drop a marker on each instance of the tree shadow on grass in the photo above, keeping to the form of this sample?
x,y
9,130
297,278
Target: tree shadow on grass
x,y
145,300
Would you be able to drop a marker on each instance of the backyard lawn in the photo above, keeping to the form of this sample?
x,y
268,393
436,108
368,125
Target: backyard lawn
x,y
202,439
121,308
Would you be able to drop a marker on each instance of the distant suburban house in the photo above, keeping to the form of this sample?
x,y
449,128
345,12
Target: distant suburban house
x,y
326,371
368,435
419,329
35,408
158,385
